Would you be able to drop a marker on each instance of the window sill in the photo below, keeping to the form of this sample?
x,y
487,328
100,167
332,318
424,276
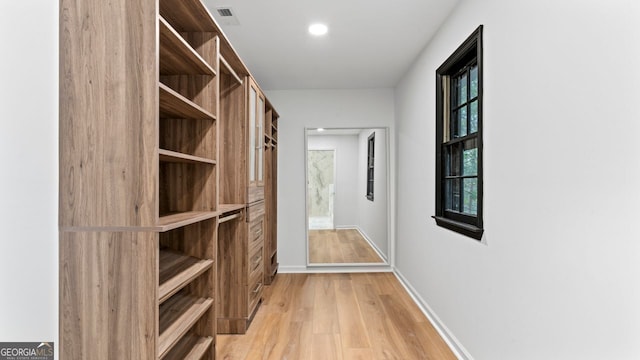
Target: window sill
x,y
459,227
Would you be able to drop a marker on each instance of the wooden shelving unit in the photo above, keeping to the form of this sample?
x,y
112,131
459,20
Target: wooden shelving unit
x,y
270,194
153,178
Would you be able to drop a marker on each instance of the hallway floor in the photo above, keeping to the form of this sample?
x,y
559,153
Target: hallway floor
x,y
336,316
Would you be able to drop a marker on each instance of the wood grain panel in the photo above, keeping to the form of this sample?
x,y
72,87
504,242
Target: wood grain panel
x,y
232,304
186,187
108,113
106,280
233,153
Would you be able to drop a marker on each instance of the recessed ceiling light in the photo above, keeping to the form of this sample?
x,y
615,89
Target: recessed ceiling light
x,y
320,129
318,29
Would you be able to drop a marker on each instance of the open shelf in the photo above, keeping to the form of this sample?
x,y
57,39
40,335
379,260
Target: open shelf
x,y
176,271
177,57
226,68
176,220
174,105
177,316
191,347
177,157
225,208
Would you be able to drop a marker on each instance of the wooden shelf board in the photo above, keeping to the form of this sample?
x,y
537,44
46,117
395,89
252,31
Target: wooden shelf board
x,y
230,217
177,270
177,316
177,157
176,220
174,105
225,208
177,57
193,16
229,70
191,347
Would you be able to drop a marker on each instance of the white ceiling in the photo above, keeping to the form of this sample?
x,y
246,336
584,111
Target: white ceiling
x,y
370,44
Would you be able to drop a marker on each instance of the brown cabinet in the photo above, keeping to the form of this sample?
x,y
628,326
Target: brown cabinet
x,y
241,245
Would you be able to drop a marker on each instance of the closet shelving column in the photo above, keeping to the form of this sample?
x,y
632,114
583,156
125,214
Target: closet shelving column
x,y
270,193
188,150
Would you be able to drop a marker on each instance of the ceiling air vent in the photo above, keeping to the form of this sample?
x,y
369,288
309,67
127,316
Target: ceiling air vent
x,y
225,11
226,16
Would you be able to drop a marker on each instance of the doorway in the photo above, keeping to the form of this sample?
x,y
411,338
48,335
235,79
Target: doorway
x,y
321,188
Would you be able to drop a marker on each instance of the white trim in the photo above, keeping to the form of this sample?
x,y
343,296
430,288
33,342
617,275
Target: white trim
x,y
454,344
292,269
372,244
335,268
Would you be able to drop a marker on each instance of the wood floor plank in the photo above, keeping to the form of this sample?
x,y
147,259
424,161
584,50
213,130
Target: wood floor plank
x,y
352,329
336,317
325,311
340,246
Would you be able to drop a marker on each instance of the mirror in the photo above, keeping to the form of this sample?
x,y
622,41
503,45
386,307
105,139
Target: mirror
x,y
347,196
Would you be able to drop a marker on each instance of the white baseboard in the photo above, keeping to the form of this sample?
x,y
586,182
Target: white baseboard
x,y
291,269
373,245
333,268
459,351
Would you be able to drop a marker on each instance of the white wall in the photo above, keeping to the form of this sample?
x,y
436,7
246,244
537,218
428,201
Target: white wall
x,y
300,109
345,205
372,214
557,274
29,180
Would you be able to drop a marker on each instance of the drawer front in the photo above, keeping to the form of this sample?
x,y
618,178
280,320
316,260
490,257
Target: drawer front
x,y
256,232
256,271
255,211
255,264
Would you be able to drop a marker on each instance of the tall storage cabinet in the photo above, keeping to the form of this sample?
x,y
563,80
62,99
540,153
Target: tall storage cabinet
x,y
142,109
241,245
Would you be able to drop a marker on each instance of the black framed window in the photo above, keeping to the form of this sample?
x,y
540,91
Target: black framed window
x,y
459,139
371,145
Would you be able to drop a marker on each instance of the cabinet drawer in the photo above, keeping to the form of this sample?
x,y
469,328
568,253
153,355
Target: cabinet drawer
x,y
255,264
256,232
255,294
255,211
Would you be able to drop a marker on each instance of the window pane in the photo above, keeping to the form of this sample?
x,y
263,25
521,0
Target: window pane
x,y
470,200
462,122
473,117
470,158
452,194
474,82
462,89
452,166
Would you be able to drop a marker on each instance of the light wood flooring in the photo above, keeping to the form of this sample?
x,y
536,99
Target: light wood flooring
x,y
336,316
340,246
